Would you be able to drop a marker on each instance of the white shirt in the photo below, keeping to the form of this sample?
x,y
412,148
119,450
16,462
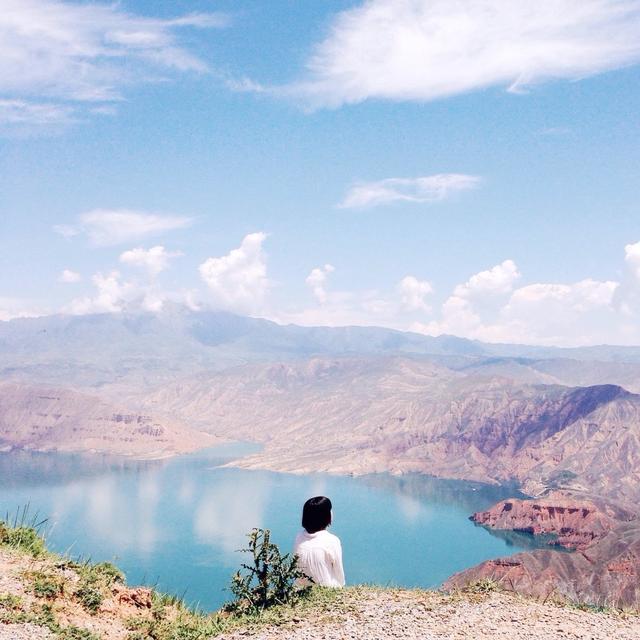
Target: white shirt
x,y
320,557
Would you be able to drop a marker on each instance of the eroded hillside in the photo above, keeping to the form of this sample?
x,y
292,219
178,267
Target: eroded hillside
x,y
44,418
359,415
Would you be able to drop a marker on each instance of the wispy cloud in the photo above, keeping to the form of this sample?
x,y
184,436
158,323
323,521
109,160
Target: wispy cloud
x,y
21,112
428,49
59,59
425,189
554,131
106,227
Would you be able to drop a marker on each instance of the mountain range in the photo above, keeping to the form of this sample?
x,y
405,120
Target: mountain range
x,y
345,400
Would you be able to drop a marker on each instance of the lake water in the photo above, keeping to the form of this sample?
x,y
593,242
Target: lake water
x,y
177,524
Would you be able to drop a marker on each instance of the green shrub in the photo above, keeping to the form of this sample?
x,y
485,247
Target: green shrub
x,y
11,608
89,597
23,538
107,573
269,580
46,586
75,633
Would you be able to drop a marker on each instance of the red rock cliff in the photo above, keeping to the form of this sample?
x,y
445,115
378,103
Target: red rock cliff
x,y
576,524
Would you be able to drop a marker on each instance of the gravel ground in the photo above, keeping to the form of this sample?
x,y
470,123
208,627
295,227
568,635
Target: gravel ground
x,y
24,632
430,616
355,613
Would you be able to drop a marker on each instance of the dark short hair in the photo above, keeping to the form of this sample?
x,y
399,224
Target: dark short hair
x,y
316,514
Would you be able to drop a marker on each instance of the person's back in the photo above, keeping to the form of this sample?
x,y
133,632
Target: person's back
x,y
320,557
319,552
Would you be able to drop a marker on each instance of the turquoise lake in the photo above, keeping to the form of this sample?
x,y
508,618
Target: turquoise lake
x,y
177,524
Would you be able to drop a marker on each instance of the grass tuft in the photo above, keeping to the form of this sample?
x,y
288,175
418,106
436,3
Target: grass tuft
x,y
486,585
89,597
23,539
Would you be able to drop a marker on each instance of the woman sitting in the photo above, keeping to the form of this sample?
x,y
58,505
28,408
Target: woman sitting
x,y
319,552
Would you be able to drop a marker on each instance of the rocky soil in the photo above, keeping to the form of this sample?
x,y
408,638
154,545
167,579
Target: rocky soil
x,y
382,614
43,598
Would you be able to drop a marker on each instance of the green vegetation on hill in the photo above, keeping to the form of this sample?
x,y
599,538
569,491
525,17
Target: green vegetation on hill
x,y
57,588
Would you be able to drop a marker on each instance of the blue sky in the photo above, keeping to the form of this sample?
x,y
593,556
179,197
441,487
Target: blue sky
x,y
466,168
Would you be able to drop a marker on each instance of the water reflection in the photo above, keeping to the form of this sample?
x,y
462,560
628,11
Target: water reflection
x,y
468,496
179,522
227,511
523,540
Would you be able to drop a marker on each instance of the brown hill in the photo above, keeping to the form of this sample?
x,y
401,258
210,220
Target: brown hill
x,y
605,573
359,415
44,418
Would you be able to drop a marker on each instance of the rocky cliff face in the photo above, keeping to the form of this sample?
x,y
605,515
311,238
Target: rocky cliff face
x,y
569,522
46,419
602,571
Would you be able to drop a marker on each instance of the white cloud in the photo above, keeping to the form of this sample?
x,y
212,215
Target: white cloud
x,y
238,281
69,276
317,282
581,296
358,308
106,227
425,189
495,281
413,293
21,112
487,307
11,308
462,312
112,295
153,261
429,49
56,56
632,258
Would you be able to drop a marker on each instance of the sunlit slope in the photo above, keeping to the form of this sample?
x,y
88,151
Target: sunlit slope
x,y
363,415
44,418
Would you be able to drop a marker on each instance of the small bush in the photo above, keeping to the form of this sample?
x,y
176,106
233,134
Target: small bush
x,y
485,585
10,602
270,579
89,597
11,608
45,586
23,538
75,633
107,573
